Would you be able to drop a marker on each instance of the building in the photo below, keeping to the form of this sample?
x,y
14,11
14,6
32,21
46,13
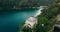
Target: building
x,y
30,22
58,17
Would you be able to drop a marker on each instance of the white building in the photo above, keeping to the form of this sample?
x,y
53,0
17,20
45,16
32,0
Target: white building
x,y
30,22
58,17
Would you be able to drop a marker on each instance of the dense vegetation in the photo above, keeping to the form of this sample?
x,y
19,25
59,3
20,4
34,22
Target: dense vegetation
x,y
35,3
23,3
48,18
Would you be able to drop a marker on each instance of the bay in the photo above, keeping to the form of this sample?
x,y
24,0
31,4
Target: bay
x,y
9,19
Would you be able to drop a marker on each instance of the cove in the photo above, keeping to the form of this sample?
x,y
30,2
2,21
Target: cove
x,y
10,18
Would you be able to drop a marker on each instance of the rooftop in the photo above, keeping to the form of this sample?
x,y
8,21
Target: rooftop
x,y
32,19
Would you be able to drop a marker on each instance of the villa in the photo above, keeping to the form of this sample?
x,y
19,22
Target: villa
x,y
31,21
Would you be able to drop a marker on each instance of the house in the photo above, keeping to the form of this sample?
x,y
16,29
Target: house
x,y
31,21
58,17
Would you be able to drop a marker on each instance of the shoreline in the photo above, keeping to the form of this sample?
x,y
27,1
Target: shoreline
x,y
18,8
39,11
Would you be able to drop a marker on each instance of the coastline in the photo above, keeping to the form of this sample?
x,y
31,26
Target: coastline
x,y
39,11
18,8
36,15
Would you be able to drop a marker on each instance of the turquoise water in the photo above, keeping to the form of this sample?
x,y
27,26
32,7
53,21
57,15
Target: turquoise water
x,y
9,19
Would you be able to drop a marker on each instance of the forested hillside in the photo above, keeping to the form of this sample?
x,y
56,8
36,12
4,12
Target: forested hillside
x,y
23,3
36,3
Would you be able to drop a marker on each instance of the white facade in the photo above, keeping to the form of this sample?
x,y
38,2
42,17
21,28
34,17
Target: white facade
x,y
58,17
31,21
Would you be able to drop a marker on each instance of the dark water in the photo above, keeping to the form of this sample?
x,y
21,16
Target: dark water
x,y
9,19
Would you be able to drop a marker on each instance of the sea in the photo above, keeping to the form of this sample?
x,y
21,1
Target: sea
x,y
10,18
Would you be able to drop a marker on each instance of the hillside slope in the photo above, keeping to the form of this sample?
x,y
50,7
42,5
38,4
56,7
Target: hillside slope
x,y
24,3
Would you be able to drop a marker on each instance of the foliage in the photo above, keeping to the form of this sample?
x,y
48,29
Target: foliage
x,y
24,29
21,24
48,18
23,3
